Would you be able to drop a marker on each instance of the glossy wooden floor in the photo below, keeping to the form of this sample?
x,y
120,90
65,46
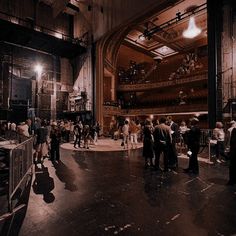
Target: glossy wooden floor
x,y
110,193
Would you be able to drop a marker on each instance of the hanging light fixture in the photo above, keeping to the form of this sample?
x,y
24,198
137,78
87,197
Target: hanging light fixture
x,y
192,31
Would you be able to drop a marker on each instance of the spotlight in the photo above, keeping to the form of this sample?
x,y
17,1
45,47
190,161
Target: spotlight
x,y
178,15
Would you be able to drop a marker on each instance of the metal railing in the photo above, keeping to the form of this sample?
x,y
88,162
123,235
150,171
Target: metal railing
x,y
20,170
20,166
206,136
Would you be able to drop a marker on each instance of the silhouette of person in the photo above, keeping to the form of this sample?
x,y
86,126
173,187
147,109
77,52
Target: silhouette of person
x,y
65,175
43,184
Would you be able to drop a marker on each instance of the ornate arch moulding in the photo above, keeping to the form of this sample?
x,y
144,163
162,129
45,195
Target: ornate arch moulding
x,y
108,46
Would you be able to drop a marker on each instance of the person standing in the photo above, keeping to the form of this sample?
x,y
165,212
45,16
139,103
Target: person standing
x,y
133,134
148,143
98,128
183,128
193,142
173,156
162,143
76,134
125,131
55,136
41,143
86,134
219,136
232,158
229,131
67,130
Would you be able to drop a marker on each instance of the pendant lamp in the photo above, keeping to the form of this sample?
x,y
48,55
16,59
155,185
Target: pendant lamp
x,y
192,31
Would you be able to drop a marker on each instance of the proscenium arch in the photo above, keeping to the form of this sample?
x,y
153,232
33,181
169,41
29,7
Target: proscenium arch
x,y
107,49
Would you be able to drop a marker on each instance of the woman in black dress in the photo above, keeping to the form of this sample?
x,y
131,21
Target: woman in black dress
x,y
148,143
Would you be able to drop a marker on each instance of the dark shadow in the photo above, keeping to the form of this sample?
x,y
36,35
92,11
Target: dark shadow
x,y
65,175
221,206
43,184
79,157
152,185
13,223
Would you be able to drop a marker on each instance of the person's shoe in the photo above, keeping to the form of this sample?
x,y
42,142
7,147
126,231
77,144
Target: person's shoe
x,y
187,170
219,161
158,168
222,160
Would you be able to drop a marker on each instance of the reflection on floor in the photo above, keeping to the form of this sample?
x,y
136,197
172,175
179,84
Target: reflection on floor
x,y
110,193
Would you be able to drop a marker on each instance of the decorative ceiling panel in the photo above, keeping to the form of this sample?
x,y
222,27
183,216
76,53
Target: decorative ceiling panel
x,y
166,29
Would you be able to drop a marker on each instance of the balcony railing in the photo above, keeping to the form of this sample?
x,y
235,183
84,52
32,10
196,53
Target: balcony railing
x,y
114,109
162,84
29,23
111,108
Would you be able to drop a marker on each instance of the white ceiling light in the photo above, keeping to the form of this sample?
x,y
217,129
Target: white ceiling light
x,y
192,31
142,38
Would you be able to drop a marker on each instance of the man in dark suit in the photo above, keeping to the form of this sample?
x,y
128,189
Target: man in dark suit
x,y
193,142
162,143
173,156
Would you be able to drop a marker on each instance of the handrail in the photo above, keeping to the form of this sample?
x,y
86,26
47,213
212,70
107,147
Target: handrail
x,y
28,24
163,83
20,166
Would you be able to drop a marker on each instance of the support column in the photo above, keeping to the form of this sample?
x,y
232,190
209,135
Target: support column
x,y
54,95
214,75
113,91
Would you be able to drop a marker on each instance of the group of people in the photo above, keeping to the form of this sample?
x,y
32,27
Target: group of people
x,y
48,135
227,139
162,139
159,138
87,133
49,138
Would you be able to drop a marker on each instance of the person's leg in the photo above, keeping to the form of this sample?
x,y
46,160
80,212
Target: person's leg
x,y
195,167
58,152
76,140
126,141
217,150
135,140
222,151
52,153
80,136
157,158
175,155
146,161
132,140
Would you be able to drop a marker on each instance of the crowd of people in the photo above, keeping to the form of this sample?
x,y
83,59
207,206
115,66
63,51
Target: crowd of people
x,y
159,138
48,135
162,138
